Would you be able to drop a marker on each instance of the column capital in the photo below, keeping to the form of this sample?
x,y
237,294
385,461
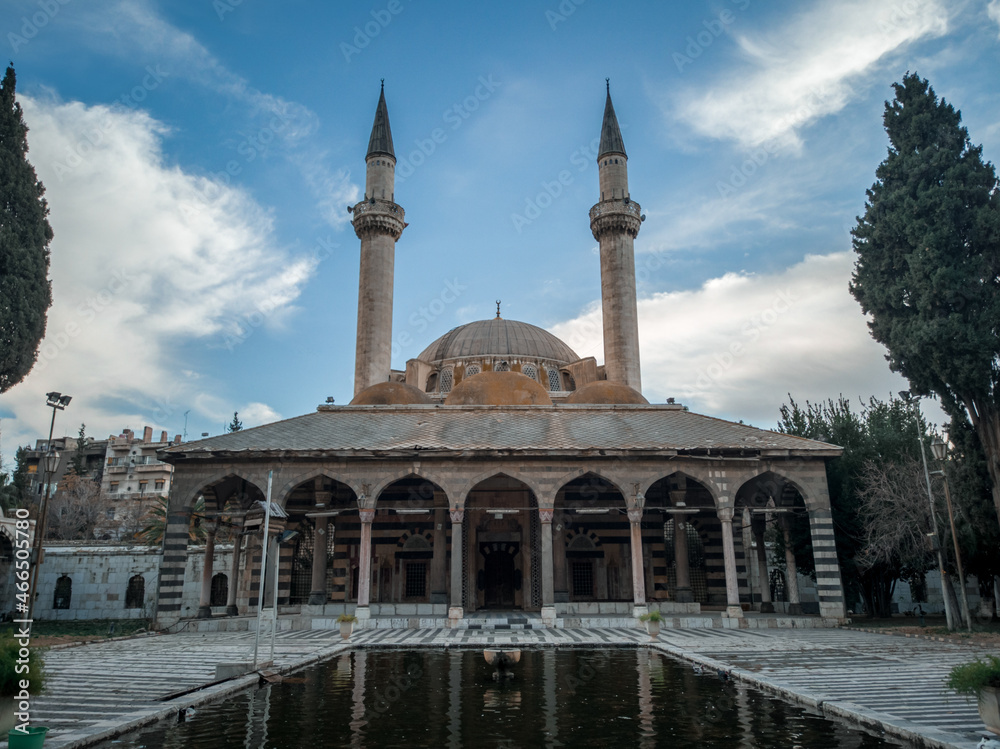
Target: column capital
x,y
457,515
635,516
725,514
367,516
545,515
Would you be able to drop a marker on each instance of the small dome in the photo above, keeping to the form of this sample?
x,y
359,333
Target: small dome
x,y
390,394
498,389
499,338
607,393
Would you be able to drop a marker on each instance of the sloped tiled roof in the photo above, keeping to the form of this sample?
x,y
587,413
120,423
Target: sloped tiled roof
x,y
525,429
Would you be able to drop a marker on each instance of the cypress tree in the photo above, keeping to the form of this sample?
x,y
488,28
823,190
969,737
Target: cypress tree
x,y
928,267
25,294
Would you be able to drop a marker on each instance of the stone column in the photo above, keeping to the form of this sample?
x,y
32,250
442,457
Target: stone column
x,y
455,612
205,604
439,560
638,572
317,589
365,564
682,570
829,586
733,608
758,523
548,584
234,578
791,571
559,571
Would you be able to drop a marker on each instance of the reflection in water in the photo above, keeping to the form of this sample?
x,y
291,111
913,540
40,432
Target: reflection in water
x,y
564,698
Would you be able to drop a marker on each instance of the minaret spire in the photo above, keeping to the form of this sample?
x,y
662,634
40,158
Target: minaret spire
x,y
378,222
615,222
611,134
381,138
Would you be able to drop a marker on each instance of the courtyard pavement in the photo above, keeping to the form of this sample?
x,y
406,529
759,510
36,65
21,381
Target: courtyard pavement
x,y
886,682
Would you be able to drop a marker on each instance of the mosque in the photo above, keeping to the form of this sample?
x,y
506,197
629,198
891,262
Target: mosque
x,y
500,471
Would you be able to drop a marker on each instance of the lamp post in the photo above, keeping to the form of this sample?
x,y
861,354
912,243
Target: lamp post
x,y
935,539
940,450
57,402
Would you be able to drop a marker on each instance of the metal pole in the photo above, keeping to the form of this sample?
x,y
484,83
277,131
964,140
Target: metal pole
x,y
274,597
40,523
263,569
948,614
958,556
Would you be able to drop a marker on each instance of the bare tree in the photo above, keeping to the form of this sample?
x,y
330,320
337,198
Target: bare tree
x,y
79,510
896,514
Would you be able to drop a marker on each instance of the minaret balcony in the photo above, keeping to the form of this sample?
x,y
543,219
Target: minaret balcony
x,y
616,215
377,216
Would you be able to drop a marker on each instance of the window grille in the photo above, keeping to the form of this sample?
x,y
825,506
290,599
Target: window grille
x,y
447,380
220,590
472,369
135,593
502,367
529,371
63,594
554,383
416,580
583,579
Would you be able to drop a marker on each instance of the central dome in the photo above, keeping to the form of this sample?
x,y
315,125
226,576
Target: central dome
x,y
499,337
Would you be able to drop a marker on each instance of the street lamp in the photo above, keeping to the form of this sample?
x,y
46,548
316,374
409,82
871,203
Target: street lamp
x,y
940,450
948,614
57,402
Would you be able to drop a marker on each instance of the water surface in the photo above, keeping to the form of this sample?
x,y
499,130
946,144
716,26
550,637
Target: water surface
x,y
434,698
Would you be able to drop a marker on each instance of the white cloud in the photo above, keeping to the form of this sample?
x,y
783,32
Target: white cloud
x,y
134,29
145,257
806,68
738,345
993,11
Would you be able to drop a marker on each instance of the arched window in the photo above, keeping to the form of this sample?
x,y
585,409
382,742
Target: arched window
x,y
64,593
447,380
472,369
529,371
220,589
135,593
502,367
432,383
554,383
570,382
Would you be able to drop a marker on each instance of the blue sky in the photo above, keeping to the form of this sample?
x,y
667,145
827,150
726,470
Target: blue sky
x,y
199,161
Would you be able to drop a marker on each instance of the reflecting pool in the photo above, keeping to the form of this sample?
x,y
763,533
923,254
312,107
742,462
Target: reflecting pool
x,y
451,698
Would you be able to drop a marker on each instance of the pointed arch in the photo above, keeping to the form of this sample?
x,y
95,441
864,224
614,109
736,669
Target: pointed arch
x,y
298,480
418,473
185,500
580,473
701,493
478,479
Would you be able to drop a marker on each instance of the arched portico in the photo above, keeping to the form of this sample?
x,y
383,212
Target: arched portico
x,y
498,531
592,553
775,509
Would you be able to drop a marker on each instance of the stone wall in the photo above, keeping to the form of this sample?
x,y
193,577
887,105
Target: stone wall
x,y
100,574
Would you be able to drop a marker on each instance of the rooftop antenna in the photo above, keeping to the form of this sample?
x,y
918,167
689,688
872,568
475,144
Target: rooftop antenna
x,y
498,309
186,424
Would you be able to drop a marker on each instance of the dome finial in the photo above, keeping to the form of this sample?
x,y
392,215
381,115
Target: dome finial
x,y
498,309
607,82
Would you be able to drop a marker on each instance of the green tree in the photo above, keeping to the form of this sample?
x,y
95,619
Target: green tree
x,y
928,267
14,487
78,464
880,433
154,523
235,425
25,293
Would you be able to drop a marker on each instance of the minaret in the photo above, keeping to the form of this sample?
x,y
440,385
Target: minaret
x,y
615,222
378,222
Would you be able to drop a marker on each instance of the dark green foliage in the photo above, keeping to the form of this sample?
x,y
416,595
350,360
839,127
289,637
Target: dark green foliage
x,y
970,678
78,464
928,268
235,425
9,678
880,431
25,294
14,487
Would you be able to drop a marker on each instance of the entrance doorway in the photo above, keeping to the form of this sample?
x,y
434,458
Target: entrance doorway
x,y
499,575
